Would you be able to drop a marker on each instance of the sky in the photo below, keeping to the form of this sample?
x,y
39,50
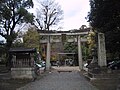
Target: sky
x,y
75,12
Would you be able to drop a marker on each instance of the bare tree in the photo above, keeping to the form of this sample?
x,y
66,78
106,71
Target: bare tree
x,y
49,14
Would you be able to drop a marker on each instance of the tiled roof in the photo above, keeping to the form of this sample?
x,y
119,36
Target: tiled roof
x,y
22,50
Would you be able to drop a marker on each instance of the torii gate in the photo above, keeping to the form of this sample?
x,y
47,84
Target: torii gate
x,y
76,38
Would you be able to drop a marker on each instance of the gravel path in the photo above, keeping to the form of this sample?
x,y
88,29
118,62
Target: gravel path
x,y
60,81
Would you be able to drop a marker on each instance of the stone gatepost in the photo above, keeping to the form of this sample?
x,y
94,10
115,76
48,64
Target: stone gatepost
x,y
80,53
101,50
48,55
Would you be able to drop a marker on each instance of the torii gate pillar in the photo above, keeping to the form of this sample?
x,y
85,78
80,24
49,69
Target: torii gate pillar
x,y
48,54
80,53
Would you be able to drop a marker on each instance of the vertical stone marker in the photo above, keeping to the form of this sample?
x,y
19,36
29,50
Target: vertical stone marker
x,y
101,50
80,53
48,55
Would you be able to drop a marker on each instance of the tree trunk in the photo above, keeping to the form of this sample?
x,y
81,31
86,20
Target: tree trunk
x,y
8,56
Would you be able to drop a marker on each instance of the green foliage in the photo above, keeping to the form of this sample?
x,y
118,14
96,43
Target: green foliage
x,y
12,13
73,48
31,38
17,43
104,16
85,51
70,47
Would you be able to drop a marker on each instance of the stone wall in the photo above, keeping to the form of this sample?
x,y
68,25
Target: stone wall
x,y
23,73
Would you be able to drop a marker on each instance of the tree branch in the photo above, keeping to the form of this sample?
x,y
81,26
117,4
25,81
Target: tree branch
x,y
51,15
14,24
53,21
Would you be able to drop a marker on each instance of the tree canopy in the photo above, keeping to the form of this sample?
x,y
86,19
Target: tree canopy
x,y
31,38
104,17
12,13
49,14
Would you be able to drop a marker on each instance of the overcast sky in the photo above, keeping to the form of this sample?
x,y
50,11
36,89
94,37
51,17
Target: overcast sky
x,y
75,12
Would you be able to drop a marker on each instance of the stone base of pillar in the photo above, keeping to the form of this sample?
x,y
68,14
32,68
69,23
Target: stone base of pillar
x,y
23,73
47,68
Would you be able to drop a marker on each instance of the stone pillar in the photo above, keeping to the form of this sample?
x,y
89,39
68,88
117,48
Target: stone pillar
x,y
48,55
101,50
80,53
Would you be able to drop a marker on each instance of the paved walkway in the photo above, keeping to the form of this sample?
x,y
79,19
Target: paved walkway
x,y
60,81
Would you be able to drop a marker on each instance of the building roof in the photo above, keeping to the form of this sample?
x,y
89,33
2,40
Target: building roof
x,y
22,50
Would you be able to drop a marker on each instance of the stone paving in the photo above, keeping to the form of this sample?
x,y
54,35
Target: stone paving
x,y
61,81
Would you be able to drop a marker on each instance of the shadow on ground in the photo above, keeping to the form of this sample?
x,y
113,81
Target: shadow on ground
x,y
103,84
12,84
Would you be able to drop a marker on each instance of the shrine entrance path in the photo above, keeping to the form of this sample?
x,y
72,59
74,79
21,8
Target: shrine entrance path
x,y
63,80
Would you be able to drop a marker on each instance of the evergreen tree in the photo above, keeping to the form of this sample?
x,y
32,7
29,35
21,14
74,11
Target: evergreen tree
x,y
104,17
